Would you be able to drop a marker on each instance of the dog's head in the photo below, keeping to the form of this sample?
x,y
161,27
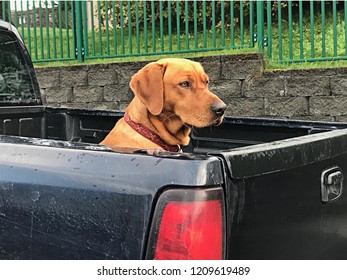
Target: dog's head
x,y
179,87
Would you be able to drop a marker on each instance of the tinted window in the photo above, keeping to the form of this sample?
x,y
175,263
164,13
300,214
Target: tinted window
x,y
15,81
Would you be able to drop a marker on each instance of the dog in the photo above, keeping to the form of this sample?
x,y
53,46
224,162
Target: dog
x,y
171,97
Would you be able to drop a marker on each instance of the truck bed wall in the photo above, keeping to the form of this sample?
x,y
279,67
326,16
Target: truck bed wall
x,y
89,126
28,121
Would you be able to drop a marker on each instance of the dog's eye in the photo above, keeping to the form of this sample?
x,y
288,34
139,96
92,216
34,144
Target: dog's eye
x,y
185,84
207,82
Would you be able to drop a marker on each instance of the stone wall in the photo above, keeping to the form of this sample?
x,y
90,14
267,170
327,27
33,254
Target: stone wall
x,y
240,80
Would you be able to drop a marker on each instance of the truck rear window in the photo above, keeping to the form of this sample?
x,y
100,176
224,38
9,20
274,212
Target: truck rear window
x,y
15,81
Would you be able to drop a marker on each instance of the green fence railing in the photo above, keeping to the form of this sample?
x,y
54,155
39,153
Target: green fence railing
x,y
65,30
131,28
285,31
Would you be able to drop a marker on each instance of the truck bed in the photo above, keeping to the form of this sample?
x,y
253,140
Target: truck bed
x,y
91,126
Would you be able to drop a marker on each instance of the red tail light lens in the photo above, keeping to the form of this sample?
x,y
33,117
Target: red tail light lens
x,y
191,226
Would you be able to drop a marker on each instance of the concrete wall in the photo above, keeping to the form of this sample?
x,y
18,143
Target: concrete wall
x,y
240,80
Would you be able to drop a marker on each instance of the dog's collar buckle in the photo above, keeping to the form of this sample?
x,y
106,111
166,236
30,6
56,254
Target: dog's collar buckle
x,y
150,135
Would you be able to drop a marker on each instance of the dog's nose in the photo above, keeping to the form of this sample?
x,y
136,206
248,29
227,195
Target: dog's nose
x,y
218,108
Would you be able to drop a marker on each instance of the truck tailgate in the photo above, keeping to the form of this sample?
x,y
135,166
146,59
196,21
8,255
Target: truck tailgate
x,y
285,199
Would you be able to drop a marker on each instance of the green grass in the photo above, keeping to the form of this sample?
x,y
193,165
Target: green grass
x,y
306,65
333,50
143,58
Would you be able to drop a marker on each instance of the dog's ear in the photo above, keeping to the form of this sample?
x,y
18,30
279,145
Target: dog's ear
x,y
147,84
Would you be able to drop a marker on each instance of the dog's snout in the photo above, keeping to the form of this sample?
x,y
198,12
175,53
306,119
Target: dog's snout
x,y
218,108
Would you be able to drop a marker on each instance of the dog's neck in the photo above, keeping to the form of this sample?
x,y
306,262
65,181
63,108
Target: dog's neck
x,y
167,125
172,129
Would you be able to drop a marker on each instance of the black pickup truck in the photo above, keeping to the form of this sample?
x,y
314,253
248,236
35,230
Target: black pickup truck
x,y
248,189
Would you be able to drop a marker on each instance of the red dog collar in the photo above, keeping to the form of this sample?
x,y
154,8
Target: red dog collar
x,y
150,135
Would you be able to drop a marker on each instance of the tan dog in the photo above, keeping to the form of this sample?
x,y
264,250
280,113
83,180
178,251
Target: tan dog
x,y
171,96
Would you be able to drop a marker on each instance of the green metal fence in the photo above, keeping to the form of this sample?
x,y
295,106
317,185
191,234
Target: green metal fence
x,y
66,30
286,31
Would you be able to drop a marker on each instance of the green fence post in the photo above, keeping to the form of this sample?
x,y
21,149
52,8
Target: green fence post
x,y
145,25
301,27
269,28
345,14
312,27
251,24
323,28
161,26
222,22
232,30
85,27
28,29
130,40
260,25
242,35
195,24
79,50
154,46
169,24
178,25
138,48
279,20
4,10
290,29
186,19
335,27
54,31
204,22
35,33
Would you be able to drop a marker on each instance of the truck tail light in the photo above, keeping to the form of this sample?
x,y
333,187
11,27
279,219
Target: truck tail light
x,y
188,225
